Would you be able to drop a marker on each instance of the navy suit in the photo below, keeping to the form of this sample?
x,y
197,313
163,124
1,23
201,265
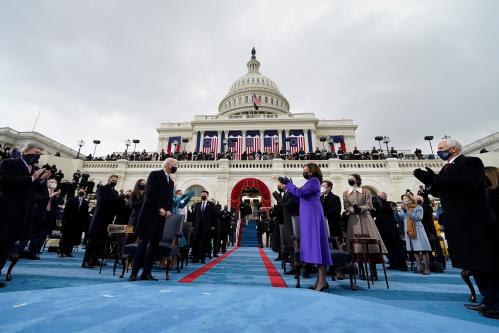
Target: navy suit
x,y
158,194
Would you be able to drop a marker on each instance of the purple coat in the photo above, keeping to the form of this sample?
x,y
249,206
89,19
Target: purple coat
x,y
314,245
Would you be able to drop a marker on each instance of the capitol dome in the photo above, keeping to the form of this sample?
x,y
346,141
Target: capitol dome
x,y
239,99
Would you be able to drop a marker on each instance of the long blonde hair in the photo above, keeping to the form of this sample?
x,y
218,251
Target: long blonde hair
x,y
492,174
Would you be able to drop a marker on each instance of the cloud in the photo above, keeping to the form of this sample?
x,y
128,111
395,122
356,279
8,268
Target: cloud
x,y
115,70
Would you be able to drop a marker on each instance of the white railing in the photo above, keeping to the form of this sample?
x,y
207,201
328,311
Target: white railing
x,y
333,164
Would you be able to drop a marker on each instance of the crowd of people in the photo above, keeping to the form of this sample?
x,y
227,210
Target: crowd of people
x,y
33,198
318,154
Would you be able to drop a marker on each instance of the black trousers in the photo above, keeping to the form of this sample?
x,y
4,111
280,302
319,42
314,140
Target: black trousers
x,y
147,251
488,285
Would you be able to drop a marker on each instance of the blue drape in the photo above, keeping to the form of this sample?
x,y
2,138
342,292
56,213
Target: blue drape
x,y
309,135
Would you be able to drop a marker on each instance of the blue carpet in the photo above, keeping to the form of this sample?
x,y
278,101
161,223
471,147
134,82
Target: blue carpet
x,y
56,295
248,237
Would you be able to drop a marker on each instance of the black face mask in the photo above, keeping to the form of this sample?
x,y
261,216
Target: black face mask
x,y
113,184
203,197
280,190
306,175
81,194
351,182
173,169
31,159
142,186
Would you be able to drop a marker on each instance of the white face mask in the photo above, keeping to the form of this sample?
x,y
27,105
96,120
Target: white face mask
x,y
52,186
323,190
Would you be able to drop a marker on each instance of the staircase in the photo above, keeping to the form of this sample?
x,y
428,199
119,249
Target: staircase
x,y
248,234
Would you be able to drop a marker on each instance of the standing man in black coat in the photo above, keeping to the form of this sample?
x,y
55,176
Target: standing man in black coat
x,y
386,223
108,202
204,220
331,204
74,218
156,208
19,179
469,225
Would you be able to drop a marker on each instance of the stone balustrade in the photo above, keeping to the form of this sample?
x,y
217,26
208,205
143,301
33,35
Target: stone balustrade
x,y
332,164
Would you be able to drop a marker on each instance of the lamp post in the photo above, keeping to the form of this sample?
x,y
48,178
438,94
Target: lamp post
x,y
135,141
379,139
323,139
81,143
429,138
96,142
386,141
127,144
185,141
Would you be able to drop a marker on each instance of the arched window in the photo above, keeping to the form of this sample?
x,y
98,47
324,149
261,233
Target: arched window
x,y
240,100
272,101
245,99
197,189
266,99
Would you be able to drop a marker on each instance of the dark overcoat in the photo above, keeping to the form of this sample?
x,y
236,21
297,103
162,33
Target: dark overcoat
x,y
466,215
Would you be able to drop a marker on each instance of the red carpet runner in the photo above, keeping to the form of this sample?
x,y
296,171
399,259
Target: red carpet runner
x,y
275,278
200,271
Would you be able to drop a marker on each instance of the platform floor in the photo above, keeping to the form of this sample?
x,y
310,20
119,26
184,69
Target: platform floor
x,y
236,294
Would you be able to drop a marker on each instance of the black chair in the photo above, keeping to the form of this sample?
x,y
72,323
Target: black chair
x,y
168,246
343,260
295,220
184,250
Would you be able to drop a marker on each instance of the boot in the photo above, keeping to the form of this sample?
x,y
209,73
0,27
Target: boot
x,y
426,258
419,263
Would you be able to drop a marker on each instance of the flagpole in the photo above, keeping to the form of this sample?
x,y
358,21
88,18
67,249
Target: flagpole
x,y
36,120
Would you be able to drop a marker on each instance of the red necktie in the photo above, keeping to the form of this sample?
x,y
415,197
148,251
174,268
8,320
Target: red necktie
x,y
446,167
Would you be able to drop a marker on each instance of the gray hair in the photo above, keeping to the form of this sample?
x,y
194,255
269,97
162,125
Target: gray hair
x,y
31,145
168,160
453,143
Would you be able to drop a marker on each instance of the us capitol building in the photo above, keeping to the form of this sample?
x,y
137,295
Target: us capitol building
x,y
255,115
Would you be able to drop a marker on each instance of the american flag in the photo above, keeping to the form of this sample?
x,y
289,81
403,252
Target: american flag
x,y
271,144
171,142
236,147
252,144
256,101
297,143
210,144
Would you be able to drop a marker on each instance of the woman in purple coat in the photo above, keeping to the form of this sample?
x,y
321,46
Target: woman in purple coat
x,y
314,245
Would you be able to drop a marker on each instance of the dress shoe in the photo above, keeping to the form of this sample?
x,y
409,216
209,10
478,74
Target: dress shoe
x,y
278,259
132,278
491,313
324,288
215,256
148,278
477,307
2,285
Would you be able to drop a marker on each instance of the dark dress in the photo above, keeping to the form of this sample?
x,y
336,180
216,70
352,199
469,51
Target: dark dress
x,y
74,219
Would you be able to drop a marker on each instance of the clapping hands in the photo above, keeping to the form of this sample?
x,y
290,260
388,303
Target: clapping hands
x,y
426,177
284,180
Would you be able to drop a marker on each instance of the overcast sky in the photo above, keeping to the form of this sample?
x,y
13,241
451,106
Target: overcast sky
x,y
113,70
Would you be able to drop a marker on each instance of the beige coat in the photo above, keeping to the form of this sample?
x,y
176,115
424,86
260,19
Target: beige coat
x,y
363,223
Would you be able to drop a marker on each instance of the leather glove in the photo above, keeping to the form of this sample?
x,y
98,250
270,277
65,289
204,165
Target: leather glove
x,y
424,176
431,173
284,180
357,210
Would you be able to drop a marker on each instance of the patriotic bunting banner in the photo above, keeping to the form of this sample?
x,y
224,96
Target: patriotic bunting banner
x,y
210,142
174,142
235,143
